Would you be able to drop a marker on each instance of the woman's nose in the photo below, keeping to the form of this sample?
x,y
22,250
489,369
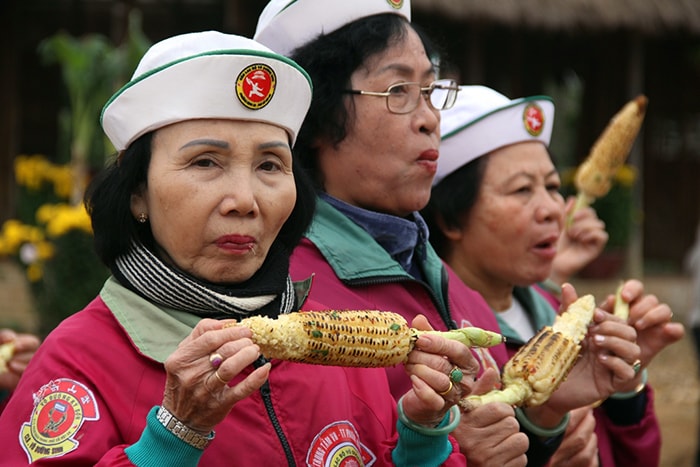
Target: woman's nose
x,y
550,207
429,118
238,196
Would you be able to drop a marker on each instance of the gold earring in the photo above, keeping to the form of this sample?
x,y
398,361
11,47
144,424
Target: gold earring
x,y
142,218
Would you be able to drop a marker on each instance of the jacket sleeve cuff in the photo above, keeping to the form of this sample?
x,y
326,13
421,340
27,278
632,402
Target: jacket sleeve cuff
x,y
543,442
158,447
416,448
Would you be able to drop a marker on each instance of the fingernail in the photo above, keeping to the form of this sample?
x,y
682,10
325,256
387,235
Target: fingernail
x,y
599,339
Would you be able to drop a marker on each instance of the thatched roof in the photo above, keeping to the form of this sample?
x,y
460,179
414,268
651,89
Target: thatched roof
x,y
645,16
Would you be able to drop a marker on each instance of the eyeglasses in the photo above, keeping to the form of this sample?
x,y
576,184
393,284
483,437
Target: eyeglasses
x,y
402,98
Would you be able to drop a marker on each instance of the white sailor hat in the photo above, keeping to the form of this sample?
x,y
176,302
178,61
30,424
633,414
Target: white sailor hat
x,y
483,120
285,25
208,75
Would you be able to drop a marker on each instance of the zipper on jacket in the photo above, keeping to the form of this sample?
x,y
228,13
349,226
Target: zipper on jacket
x,y
267,400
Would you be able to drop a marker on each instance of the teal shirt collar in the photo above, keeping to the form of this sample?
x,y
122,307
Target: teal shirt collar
x,y
356,257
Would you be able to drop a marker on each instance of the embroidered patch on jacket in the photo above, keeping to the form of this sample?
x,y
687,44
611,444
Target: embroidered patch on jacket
x,y
533,119
255,85
338,445
60,408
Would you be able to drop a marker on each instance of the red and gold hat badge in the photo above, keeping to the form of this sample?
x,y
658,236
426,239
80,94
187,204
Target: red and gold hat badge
x,y
256,85
533,119
395,3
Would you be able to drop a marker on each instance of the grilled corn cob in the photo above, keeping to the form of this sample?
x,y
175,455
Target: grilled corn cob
x,y
7,350
594,176
365,338
541,365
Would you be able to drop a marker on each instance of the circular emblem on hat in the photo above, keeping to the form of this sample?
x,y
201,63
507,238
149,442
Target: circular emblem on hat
x,y
533,119
395,3
256,85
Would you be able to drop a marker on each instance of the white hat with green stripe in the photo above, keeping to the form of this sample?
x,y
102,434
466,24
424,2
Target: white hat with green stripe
x,y
208,75
285,25
483,120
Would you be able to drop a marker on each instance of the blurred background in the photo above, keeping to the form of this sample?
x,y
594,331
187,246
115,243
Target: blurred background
x,y
61,59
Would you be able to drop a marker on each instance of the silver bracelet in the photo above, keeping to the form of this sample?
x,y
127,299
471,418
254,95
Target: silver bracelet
x,y
182,431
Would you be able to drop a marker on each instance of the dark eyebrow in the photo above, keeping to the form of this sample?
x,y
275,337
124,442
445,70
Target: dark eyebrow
x,y
224,145
403,69
274,144
207,142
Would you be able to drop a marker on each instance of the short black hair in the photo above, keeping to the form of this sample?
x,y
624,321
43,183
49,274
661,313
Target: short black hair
x,y
330,60
452,199
108,201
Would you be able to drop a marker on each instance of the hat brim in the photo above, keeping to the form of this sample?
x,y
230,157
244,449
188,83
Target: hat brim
x,y
204,86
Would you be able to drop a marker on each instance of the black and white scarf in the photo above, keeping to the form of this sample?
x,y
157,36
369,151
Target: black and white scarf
x,y
269,292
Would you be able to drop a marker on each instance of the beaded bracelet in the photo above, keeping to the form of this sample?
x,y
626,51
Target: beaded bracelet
x,y
454,414
630,394
539,431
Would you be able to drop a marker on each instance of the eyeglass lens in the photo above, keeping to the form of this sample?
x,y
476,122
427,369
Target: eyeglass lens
x,y
404,97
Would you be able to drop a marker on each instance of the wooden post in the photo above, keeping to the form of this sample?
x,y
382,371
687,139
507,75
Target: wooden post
x,y
635,86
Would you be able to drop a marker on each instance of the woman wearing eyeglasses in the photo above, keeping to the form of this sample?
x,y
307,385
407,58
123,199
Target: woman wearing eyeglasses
x,y
370,142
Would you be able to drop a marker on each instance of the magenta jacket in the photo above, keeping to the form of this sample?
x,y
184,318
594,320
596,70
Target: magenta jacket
x,y
87,392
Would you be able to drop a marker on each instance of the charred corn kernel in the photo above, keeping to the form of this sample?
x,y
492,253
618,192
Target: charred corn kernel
x,y
594,176
543,363
352,338
7,350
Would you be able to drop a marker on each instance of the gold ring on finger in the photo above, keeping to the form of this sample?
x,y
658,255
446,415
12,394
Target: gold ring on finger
x,y
216,373
446,391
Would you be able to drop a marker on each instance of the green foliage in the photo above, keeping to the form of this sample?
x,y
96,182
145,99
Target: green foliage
x,y
91,68
52,237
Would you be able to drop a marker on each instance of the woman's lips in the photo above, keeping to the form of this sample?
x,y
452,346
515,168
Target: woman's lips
x,y
239,244
547,248
428,159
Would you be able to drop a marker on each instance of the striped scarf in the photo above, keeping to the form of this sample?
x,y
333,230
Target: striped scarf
x,y
269,292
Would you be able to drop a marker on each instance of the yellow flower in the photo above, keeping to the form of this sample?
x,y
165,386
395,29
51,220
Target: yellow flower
x,y
61,218
34,171
31,171
14,234
45,250
46,212
35,272
626,175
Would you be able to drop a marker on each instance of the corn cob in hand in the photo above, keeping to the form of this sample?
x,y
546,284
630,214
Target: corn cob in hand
x,y
350,338
7,350
594,176
540,366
